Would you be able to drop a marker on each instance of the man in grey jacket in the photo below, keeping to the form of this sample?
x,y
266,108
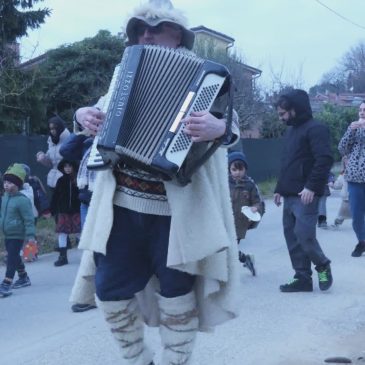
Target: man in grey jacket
x,y
306,163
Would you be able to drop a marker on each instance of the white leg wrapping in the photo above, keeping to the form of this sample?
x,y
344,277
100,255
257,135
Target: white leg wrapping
x,y
178,328
127,328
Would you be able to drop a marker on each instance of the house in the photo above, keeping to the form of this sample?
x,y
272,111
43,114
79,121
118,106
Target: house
x,y
338,99
215,45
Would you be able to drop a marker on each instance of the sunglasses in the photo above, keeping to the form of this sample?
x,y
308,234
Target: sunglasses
x,y
142,27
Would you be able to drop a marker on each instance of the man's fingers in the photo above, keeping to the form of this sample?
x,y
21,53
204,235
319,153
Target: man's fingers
x,y
198,114
193,127
196,139
192,120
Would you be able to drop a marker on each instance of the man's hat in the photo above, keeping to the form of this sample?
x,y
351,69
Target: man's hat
x,y
15,174
155,12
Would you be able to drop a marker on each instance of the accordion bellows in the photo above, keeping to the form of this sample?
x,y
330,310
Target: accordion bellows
x,y
152,90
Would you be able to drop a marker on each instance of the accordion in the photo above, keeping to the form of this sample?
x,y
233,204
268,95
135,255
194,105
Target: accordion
x,y
152,90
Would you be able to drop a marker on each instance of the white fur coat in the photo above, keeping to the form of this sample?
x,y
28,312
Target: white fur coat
x,y
202,240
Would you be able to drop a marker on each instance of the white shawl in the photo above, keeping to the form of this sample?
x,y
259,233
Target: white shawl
x,y
202,239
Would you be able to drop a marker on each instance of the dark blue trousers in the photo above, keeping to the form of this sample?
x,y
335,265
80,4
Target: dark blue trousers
x,y
14,261
136,250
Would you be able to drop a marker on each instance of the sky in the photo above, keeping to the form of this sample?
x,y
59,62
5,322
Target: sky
x,y
296,41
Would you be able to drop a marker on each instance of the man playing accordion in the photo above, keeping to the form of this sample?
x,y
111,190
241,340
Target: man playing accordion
x,y
164,254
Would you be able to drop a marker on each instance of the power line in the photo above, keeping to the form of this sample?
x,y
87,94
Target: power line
x,y
340,15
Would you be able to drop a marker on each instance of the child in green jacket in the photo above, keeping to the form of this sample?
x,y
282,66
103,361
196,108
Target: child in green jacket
x,y
17,224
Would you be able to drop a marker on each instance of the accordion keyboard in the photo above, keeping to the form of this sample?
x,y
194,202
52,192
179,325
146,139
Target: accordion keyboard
x,y
95,160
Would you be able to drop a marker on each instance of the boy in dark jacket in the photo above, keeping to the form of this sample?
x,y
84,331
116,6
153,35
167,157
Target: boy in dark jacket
x,y
306,163
17,224
244,192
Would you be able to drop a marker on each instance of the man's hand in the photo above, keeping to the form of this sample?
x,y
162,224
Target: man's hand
x,y
358,124
203,126
277,199
90,118
306,196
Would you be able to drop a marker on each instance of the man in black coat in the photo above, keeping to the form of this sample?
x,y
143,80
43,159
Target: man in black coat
x,y
306,163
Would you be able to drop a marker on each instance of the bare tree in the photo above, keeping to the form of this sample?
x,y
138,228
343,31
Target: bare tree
x,y
353,67
247,97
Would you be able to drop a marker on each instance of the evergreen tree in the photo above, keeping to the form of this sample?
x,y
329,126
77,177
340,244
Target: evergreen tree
x,y
15,23
78,74
16,18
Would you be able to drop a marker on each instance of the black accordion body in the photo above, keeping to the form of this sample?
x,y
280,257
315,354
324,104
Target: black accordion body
x,y
152,90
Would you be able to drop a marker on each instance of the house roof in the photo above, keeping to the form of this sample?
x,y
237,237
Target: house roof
x,y
203,29
33,62
253,70
342,99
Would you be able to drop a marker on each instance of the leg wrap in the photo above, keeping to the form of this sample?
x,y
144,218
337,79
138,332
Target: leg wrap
x,y
178,328
127,328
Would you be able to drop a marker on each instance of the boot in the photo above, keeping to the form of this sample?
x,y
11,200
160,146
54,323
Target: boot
x,y
62,258
322,221
359,249
127,327
178,328
69,243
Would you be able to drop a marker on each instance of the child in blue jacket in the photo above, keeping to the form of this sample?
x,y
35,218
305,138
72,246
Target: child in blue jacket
x,y
17,224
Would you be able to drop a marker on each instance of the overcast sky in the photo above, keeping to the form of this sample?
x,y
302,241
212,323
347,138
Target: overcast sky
x,y
293,38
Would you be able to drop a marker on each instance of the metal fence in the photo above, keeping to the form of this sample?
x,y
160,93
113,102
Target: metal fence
x,y
263,155
23,149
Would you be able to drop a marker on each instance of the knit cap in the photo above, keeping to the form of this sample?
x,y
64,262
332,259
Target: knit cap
x,y
237,156
15,174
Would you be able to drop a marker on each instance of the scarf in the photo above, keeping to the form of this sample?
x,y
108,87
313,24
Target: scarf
x,y
85,177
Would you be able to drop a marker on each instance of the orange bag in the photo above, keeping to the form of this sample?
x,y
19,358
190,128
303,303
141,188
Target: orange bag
x,y
30,251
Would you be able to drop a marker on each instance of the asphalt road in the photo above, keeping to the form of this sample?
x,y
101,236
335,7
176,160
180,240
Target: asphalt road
x,y
37,326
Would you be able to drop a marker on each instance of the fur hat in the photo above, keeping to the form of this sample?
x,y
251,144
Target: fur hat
x,y
155,12
237,156
15,174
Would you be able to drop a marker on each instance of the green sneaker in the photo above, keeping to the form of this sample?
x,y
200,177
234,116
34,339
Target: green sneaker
x,y
325,279
297,285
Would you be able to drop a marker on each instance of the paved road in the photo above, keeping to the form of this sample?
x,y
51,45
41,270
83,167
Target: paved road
x,y
37,326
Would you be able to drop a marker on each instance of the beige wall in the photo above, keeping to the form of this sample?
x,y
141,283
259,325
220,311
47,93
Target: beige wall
x,y
209,39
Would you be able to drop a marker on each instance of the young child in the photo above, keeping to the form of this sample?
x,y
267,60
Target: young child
x,y
65,205
322,205
340,183
17,222
40,198
244,192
